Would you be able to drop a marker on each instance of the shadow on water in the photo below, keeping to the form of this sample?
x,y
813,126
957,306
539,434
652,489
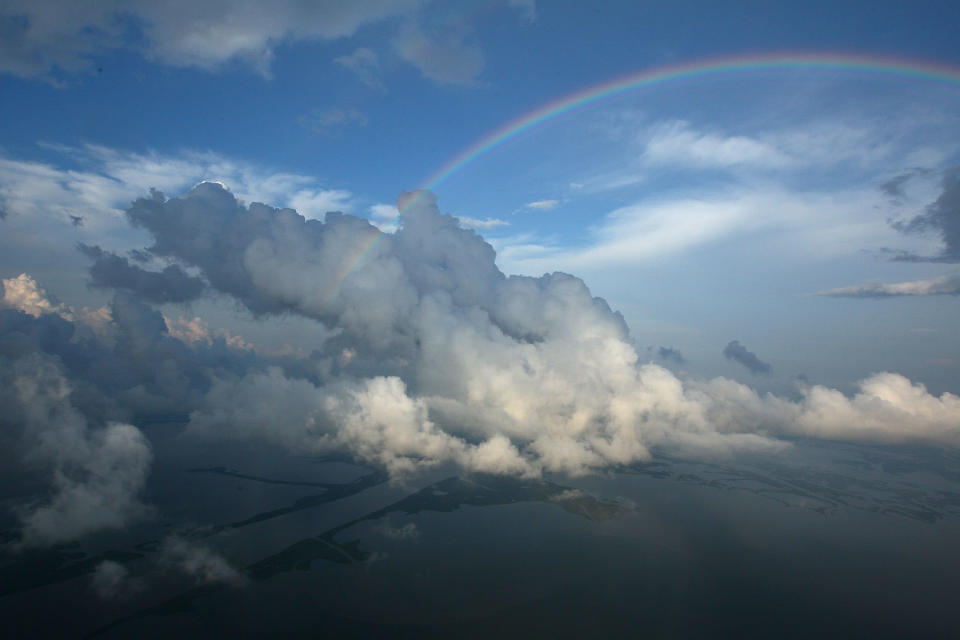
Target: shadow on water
x,y
444,496
33,568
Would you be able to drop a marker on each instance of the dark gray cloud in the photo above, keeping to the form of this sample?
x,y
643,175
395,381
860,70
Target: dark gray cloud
x,y
739,353
134,371
942,218
209,229
669,354
894,186
173,284
36,38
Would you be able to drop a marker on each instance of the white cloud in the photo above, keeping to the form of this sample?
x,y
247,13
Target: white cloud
x,y
948,285
109,179
385,217
676,142
482,223
24,294
505,375
543,205
820,223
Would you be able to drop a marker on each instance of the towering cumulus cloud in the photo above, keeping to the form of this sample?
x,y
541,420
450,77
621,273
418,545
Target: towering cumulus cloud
x,y
439,357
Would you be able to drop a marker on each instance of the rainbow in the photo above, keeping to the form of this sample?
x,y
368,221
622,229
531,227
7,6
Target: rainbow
x,y
646,78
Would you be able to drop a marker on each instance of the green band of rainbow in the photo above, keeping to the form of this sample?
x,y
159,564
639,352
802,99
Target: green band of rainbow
x,y
658,75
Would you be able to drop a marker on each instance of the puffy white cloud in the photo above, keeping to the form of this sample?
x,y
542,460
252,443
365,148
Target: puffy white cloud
x,y
24,294
888,408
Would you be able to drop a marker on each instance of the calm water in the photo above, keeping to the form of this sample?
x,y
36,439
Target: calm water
x,y
834,540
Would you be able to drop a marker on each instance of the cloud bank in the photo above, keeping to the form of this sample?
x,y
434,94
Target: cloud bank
x,y
435,357
452,361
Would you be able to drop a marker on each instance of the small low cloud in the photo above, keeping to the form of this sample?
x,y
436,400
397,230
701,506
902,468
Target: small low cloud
x,y
948,285
173,284
528,8
482,223
111,581
543,205
669,354
365,64
331,120
24,294
446,55
678,143
406,532
199,562
739,353
196,331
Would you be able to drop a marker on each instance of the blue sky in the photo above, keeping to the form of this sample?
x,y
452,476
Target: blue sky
x,y
706,210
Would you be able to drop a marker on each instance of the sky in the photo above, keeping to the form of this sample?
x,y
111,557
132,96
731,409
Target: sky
x,y
757,203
